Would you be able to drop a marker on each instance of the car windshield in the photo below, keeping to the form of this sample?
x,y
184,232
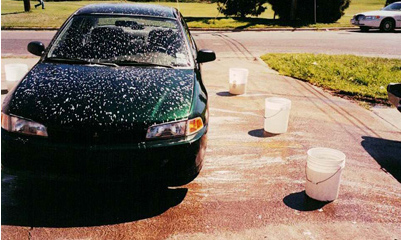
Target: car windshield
x,y
121,40
393,7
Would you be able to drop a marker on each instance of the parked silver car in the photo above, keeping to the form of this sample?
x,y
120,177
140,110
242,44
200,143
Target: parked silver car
x,y
386,19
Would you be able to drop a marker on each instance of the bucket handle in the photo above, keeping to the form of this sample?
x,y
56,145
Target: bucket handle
x,y
316,183
279,111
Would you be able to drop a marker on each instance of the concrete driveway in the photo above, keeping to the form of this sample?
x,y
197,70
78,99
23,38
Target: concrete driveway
x,y
252,185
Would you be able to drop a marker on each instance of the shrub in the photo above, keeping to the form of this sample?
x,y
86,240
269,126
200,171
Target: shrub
x,y
328,11
391,1
241,8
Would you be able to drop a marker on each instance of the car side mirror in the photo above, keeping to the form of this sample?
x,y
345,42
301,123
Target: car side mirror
x,y
206,56
36,48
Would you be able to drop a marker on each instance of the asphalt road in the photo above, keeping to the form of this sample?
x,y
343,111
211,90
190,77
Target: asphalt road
x,y
373,43
252,185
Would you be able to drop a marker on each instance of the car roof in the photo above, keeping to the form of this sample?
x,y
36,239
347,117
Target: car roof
x,y
151,10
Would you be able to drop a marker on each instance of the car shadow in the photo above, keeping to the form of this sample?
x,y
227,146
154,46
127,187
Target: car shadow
x,y
374,31
261,133
301,202
387,154
73,204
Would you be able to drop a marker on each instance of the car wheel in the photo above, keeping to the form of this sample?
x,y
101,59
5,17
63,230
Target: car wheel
x,y
364,29
387,25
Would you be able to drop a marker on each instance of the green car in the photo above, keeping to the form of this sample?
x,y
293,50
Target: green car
x,y
117,96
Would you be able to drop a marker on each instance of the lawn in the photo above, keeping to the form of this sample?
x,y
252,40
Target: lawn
x,y
362,78
199,15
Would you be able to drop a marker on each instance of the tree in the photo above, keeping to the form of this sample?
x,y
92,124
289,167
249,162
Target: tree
x,y
282,8
241,8
27,5
328,11
391,1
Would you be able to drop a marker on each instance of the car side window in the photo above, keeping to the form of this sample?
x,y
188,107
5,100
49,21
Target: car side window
x,y
188,34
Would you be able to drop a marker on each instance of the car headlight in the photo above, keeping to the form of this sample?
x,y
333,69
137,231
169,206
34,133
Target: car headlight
x,y
174,129
372,17
23,126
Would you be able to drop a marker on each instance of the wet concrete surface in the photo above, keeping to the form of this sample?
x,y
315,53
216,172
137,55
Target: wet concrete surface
x,y
252,184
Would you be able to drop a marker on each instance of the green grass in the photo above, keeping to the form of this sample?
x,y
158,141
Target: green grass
x,y
363,78
199,15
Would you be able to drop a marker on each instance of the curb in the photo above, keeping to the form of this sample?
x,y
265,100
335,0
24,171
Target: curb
x,y
30,28
207,29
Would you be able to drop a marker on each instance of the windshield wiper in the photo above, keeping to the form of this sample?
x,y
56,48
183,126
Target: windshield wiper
x,y
138,63
80,61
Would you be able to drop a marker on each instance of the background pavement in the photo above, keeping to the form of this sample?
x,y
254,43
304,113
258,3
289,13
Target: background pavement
x,y
355,42
252,185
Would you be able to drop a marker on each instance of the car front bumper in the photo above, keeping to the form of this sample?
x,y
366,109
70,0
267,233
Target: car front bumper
x,y
367,23
164,159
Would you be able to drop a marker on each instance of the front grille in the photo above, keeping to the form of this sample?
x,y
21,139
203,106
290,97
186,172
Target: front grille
x,y
71,136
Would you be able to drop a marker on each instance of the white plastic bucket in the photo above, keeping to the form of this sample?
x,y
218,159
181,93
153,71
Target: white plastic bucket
x,y
238,80
14,73
323,173
277,114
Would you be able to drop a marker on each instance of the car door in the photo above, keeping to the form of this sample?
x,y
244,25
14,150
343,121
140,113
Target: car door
x,y
398,20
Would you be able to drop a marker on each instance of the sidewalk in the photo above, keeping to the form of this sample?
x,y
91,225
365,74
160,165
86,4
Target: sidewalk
x,y
267,172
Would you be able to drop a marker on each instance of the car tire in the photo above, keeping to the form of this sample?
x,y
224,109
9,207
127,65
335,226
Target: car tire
x,y
364,29
387,25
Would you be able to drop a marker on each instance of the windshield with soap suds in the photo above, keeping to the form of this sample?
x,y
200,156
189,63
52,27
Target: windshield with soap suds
x,y
122,40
